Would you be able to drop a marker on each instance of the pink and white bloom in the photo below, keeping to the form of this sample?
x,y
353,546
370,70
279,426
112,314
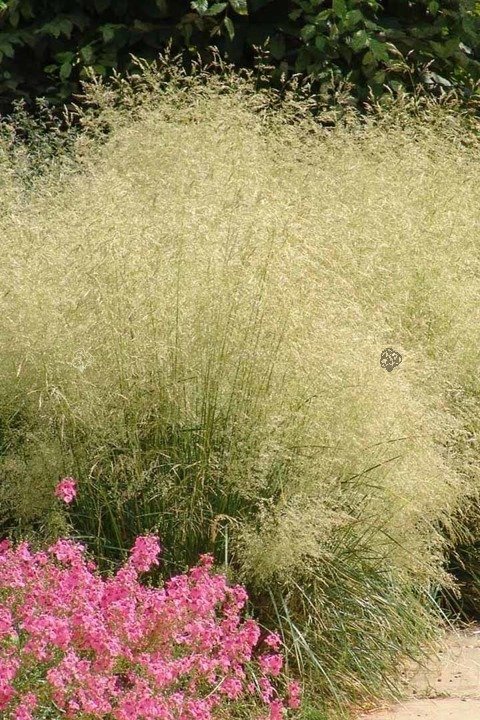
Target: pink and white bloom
x,y
66,489
145,553
113,648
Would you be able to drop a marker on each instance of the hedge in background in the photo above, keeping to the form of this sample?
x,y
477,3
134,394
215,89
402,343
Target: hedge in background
x,y
46,46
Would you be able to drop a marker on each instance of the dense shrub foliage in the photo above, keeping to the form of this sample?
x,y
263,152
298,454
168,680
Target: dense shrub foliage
x,y
45,46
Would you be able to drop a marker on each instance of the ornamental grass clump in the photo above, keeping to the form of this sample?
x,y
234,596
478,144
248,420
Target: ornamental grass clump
x,y
192,325
79,646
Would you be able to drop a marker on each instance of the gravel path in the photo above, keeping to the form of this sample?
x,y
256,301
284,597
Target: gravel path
x,y
449,689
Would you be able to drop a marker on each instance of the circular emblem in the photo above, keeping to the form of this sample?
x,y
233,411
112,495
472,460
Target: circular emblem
x,y
389,359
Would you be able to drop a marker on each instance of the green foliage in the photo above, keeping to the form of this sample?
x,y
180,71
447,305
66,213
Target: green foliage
x,y
368,41
46,47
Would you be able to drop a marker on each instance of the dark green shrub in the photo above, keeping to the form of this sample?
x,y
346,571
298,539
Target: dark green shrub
x,y
45,48
364,39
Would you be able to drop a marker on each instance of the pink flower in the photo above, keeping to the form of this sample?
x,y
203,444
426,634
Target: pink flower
x,y
144,553
276,710
66,551
6,622
293,690
66,489
232,687
271,664
273,640
111,647
5,545
24,710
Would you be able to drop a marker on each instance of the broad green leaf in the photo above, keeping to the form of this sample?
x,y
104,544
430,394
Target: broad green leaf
x,y
352,18
65,70
60,26
339,7
108,31
308,32
230,27
369,58
240,6
320,42
379,49
396,85
87,54
370,25
6,48
162,5
302,59
433,7
359,40
216,30
324,15
295,14
216,8
13,18
452,46
439,49
64,56
66,26
201,6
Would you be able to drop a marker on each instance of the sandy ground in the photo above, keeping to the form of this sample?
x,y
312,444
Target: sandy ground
x,y
448,689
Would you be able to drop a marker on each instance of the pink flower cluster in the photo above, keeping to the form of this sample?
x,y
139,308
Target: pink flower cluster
x,y
85,647
66,490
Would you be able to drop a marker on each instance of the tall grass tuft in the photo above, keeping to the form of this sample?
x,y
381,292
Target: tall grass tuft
x,y
191,325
